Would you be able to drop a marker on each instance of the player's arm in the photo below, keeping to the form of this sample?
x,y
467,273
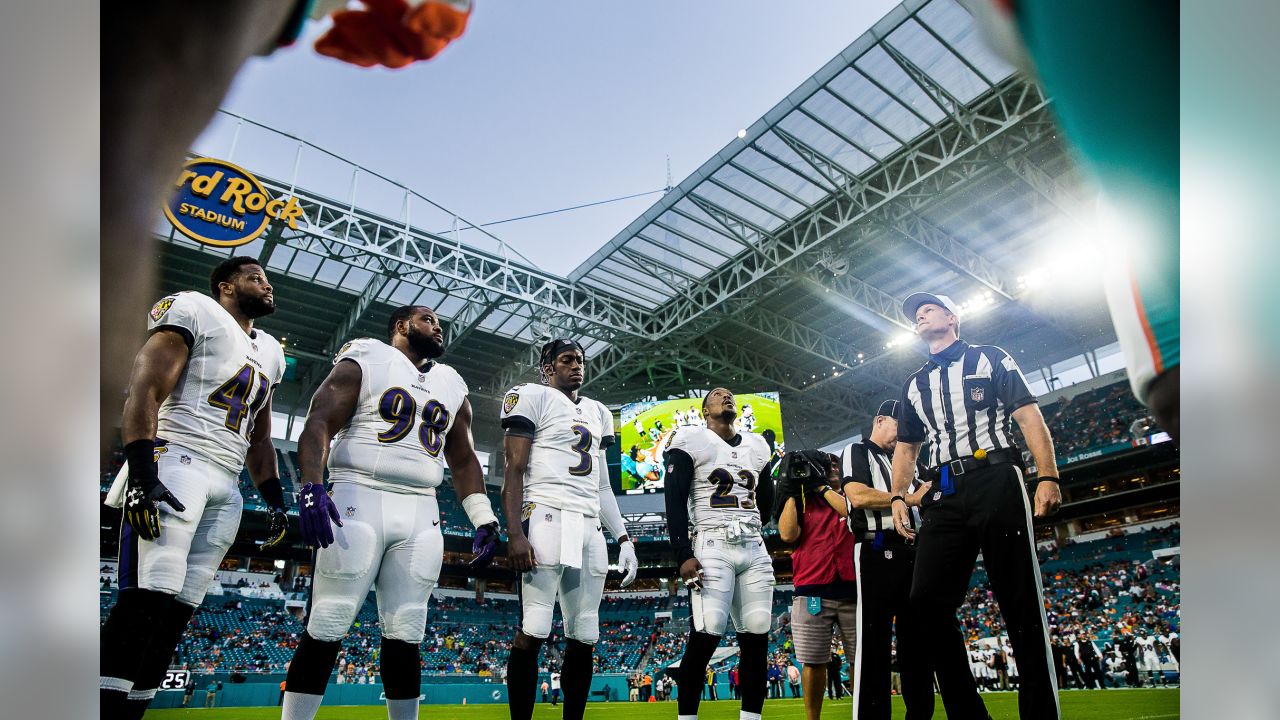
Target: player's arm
x,y
156,371
468,484
264,470
678,484
765,495
515,449
1040,443
332,407
611,516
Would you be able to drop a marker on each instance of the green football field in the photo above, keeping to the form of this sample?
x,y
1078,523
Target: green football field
x,y
1145,704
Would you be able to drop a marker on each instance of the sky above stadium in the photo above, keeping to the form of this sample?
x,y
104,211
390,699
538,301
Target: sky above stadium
x,y
549,105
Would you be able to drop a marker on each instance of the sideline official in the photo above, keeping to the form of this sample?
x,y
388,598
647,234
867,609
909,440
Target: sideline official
x,y
884,562
826,592
961,401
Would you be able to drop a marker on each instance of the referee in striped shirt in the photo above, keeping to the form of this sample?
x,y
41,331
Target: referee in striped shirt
x,y
961,401
885,562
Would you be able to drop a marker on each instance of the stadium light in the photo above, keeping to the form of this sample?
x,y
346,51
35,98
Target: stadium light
x,y
742,134
902,338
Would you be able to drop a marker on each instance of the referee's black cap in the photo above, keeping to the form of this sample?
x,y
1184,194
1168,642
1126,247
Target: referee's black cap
x,y
888,408
915,300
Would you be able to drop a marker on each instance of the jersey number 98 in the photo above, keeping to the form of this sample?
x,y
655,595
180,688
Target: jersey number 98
x,y
399,408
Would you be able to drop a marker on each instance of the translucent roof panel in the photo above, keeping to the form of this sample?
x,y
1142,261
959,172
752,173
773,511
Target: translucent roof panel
x,y
857,112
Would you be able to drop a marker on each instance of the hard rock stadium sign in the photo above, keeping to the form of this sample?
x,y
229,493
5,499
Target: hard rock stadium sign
x,y
218,203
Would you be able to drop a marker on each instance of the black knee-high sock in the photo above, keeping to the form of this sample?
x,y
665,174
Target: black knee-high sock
x,y
575,677
311,665
124,640
401,669
752,670
170,624
522,679
692,676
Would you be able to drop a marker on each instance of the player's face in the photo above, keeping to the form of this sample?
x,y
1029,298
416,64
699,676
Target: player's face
x,y
932,321
424,334
568,370
253,292
720,403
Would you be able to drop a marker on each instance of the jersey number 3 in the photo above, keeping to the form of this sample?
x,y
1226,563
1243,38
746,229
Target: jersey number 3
x,y
582,446
399,408
233,396
723,497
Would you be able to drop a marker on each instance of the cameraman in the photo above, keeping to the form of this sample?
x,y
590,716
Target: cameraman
x,y
810,514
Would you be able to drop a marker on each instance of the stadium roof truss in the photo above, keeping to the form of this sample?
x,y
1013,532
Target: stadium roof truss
x,y
913,159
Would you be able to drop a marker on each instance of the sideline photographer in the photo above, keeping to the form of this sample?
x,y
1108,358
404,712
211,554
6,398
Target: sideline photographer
x,y
811,512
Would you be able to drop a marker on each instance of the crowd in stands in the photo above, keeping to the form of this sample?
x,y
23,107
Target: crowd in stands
x,y
1094,418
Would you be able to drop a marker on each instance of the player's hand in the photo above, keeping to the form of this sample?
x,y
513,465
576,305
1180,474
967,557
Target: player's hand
x,y
140,508
277,527
627,561
902,520
484,545
1048,498
691,574
520,553
315,513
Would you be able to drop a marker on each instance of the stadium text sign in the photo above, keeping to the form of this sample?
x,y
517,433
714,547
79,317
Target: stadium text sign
x,y
218,203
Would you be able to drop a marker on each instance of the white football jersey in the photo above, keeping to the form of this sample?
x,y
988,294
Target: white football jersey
x,y
563,467
724,476
228,378
395,440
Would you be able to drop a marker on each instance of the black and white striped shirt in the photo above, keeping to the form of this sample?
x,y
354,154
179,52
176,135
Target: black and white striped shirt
x,y
867,463
961,401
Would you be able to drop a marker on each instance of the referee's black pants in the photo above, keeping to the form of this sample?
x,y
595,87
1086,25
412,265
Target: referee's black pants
x,y
884,570
988,511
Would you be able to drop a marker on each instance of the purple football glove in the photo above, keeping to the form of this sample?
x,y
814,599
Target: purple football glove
x,y
315,510
485,545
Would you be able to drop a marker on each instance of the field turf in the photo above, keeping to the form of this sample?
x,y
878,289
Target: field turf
x,y
1145,704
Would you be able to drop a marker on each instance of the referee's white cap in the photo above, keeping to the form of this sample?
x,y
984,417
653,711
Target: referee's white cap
x,y
915,300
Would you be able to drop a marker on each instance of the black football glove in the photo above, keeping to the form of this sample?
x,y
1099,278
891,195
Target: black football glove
x,y
143,490
278,520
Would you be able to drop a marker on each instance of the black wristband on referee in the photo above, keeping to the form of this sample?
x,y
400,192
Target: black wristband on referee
x,y
141,455
897,497
1046,478
273,492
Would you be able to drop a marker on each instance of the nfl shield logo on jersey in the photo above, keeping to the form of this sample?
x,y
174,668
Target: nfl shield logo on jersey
x,y
351,511
888,554
422,378
937,495
977,394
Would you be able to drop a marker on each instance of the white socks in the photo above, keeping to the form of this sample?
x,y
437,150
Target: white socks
x,y
402,709
300,706
744,715
686,717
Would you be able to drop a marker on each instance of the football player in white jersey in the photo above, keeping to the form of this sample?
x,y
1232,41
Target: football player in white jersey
x,y
198,410
557,497
718,482
387,419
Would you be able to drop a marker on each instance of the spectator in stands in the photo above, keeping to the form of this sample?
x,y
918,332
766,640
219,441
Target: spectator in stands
x,y
835,689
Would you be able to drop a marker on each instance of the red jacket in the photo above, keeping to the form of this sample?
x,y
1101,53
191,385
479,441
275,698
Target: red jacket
x,y
822,563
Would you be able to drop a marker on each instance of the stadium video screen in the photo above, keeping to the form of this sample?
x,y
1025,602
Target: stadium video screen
x,y
645,430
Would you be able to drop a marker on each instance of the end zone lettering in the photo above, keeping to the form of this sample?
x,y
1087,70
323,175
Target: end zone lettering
x,y
221,204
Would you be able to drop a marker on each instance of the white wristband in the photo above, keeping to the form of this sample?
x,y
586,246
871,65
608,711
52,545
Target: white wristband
x,y
478,509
